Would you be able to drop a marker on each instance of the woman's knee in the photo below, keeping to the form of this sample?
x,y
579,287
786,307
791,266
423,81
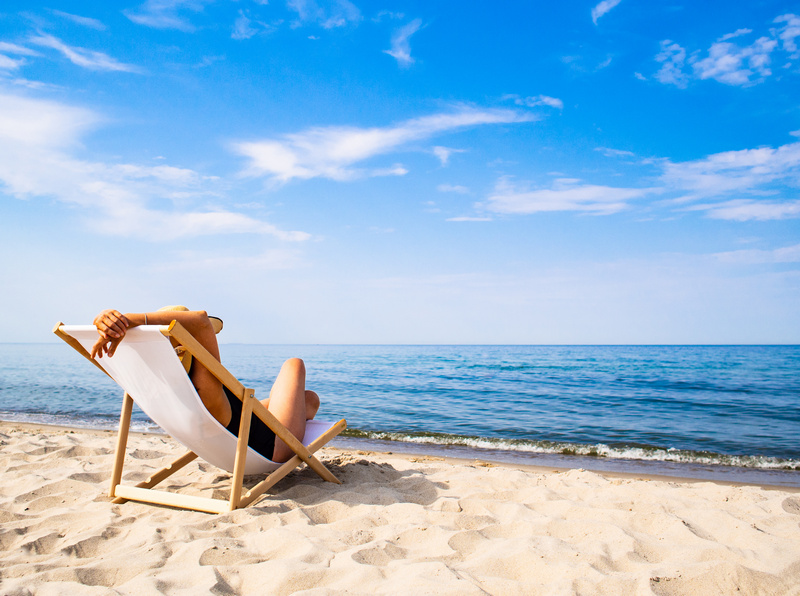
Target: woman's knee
x,y
312,404
295,365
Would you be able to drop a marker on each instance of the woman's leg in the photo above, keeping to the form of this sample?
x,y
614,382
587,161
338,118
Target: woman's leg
x,y
312,403
287,402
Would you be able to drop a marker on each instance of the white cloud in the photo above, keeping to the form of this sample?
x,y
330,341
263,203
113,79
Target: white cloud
x,y
469,218
401,47
786,254
749,209
602,8
329,14
37,142
164,14
444,153
12,48
84,21
744,185
389,15
331,152
614,152
727,176
743,171
83,57
566,195
737,33
7,63
672,57
453,188
605,63
789,33
242,28
733,65
537,100
728,62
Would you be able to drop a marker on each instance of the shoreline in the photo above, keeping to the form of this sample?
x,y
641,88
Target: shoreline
x,y
537,463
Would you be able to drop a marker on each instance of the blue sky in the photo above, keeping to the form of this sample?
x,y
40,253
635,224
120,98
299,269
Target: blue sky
x,y
348,172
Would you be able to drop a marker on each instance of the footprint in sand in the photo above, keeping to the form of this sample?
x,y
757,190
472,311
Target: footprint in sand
x,y
379,555
44,545
792,505
147,454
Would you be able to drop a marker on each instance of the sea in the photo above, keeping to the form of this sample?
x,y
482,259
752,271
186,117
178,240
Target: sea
x,y
721,413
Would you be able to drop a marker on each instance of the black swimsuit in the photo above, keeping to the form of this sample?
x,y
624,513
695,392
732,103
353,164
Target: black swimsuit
x,y
261,439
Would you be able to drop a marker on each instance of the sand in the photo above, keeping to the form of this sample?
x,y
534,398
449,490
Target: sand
x,y
397,525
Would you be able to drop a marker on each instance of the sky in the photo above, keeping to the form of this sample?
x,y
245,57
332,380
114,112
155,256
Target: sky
x,y
337,172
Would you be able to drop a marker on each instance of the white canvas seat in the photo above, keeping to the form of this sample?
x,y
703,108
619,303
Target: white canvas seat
x,y
146,366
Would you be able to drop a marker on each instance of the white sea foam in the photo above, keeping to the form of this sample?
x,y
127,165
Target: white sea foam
x,y
595,450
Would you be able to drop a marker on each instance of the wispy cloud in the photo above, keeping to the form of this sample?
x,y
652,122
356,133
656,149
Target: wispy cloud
x,y
749,184
750,210
784,254
743,171
166,14
733,65
7,63
469,218
453,188
608,152
83,21
401,45
737,33
38,140
12,48
536,100
82,57
244,27
586,65
332,152
728,62
329,14
789,33
602,8
444,153
745,185
672,57
387,14
566,194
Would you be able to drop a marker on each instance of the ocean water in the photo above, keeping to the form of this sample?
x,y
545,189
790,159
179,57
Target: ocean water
x,y
714,412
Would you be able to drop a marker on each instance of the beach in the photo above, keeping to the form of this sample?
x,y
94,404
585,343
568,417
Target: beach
x,y
397,524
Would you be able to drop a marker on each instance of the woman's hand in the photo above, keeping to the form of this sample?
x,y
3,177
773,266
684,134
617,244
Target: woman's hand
x,y
112,326
107,346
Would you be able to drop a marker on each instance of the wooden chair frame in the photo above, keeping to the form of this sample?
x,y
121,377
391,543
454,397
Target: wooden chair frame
x,y
250,405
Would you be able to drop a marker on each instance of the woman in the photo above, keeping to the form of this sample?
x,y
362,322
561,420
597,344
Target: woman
x,y
288,401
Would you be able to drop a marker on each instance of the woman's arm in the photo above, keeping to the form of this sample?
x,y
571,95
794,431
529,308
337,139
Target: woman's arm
x,y
113,325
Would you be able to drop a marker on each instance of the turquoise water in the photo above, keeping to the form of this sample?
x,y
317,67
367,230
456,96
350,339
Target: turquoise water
x,y
704,411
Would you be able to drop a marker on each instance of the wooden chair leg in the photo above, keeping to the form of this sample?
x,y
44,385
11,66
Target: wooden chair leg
x,y
241,449
122,442
263,486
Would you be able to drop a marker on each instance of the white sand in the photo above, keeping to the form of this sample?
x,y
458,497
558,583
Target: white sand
x,y
398,525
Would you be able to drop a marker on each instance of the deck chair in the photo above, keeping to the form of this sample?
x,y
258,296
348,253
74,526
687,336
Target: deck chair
x,y
148,369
